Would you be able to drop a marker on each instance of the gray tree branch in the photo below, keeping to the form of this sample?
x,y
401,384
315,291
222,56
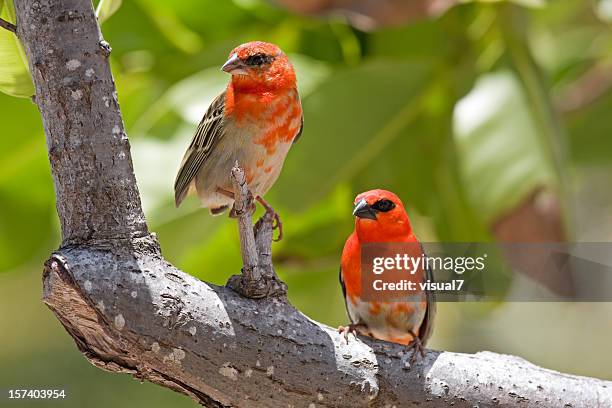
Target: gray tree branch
x,y
130,311
97,196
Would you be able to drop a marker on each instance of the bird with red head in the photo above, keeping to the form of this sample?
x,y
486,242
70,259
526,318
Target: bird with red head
x,y
254,122
380,217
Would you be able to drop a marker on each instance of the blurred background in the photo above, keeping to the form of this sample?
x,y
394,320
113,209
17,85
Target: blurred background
x,y
490,119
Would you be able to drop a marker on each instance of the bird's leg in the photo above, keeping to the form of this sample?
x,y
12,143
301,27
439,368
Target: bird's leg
x,y
277,222
225,192
229,194
353,328
416,346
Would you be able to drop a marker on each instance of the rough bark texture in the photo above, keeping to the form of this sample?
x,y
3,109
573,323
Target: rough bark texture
x,y
97,197
135,313
130,311
258,278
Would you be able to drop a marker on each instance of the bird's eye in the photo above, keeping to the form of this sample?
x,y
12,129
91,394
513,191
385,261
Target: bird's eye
x,y
383,205
258,59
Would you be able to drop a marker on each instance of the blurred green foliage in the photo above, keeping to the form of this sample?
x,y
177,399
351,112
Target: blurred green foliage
x,y
458,115
14,75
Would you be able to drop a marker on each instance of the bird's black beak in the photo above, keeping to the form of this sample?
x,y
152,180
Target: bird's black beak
x,y
234,66
363,210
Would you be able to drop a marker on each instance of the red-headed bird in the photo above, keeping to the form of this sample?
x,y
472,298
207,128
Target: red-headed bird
x,y
254,122
380,217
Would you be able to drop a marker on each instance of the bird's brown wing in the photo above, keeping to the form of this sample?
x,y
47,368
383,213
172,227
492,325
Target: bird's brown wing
x,y
209,131
343,286
427,326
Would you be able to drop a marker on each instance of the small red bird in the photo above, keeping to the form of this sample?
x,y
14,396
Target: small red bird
x,y
254,122
380,217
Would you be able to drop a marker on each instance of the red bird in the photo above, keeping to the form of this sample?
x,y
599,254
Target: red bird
x,y
254,122
380,217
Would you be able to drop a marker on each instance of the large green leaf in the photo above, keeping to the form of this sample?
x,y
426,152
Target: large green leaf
x,y
106,8
348,121
502,157
591,143
385,124
27,217
163,15
15,77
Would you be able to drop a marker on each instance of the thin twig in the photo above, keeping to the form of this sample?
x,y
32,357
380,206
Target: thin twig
x,y
258,278
8,26
242,206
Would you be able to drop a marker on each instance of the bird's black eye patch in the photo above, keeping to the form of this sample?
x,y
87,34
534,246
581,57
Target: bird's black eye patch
x,y
258,60
383,205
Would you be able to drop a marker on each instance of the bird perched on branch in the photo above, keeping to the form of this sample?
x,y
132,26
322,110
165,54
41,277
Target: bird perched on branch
x,y
253,122
381,221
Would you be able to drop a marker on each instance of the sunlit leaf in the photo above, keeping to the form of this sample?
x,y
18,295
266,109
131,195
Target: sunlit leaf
x,y
348,120
310,73
171,26
15,77
501,155
156,163
604,10
106,8
191,97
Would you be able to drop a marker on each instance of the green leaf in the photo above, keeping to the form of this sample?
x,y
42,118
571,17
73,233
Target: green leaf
x,y
591,143
15,77
604,10
502,158
31,229
106,8
164,16
348,121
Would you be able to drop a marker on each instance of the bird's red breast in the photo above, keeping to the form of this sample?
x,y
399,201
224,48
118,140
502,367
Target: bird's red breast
x,y
380,217
390,226
279,112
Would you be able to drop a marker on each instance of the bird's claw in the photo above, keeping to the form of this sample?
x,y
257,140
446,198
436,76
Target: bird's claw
x,y
352,328
234,214
276,223
417,347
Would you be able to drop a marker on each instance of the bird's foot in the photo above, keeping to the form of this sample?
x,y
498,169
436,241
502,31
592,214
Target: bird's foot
x,y
225,192
277,222
233,212
416,346
353,328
